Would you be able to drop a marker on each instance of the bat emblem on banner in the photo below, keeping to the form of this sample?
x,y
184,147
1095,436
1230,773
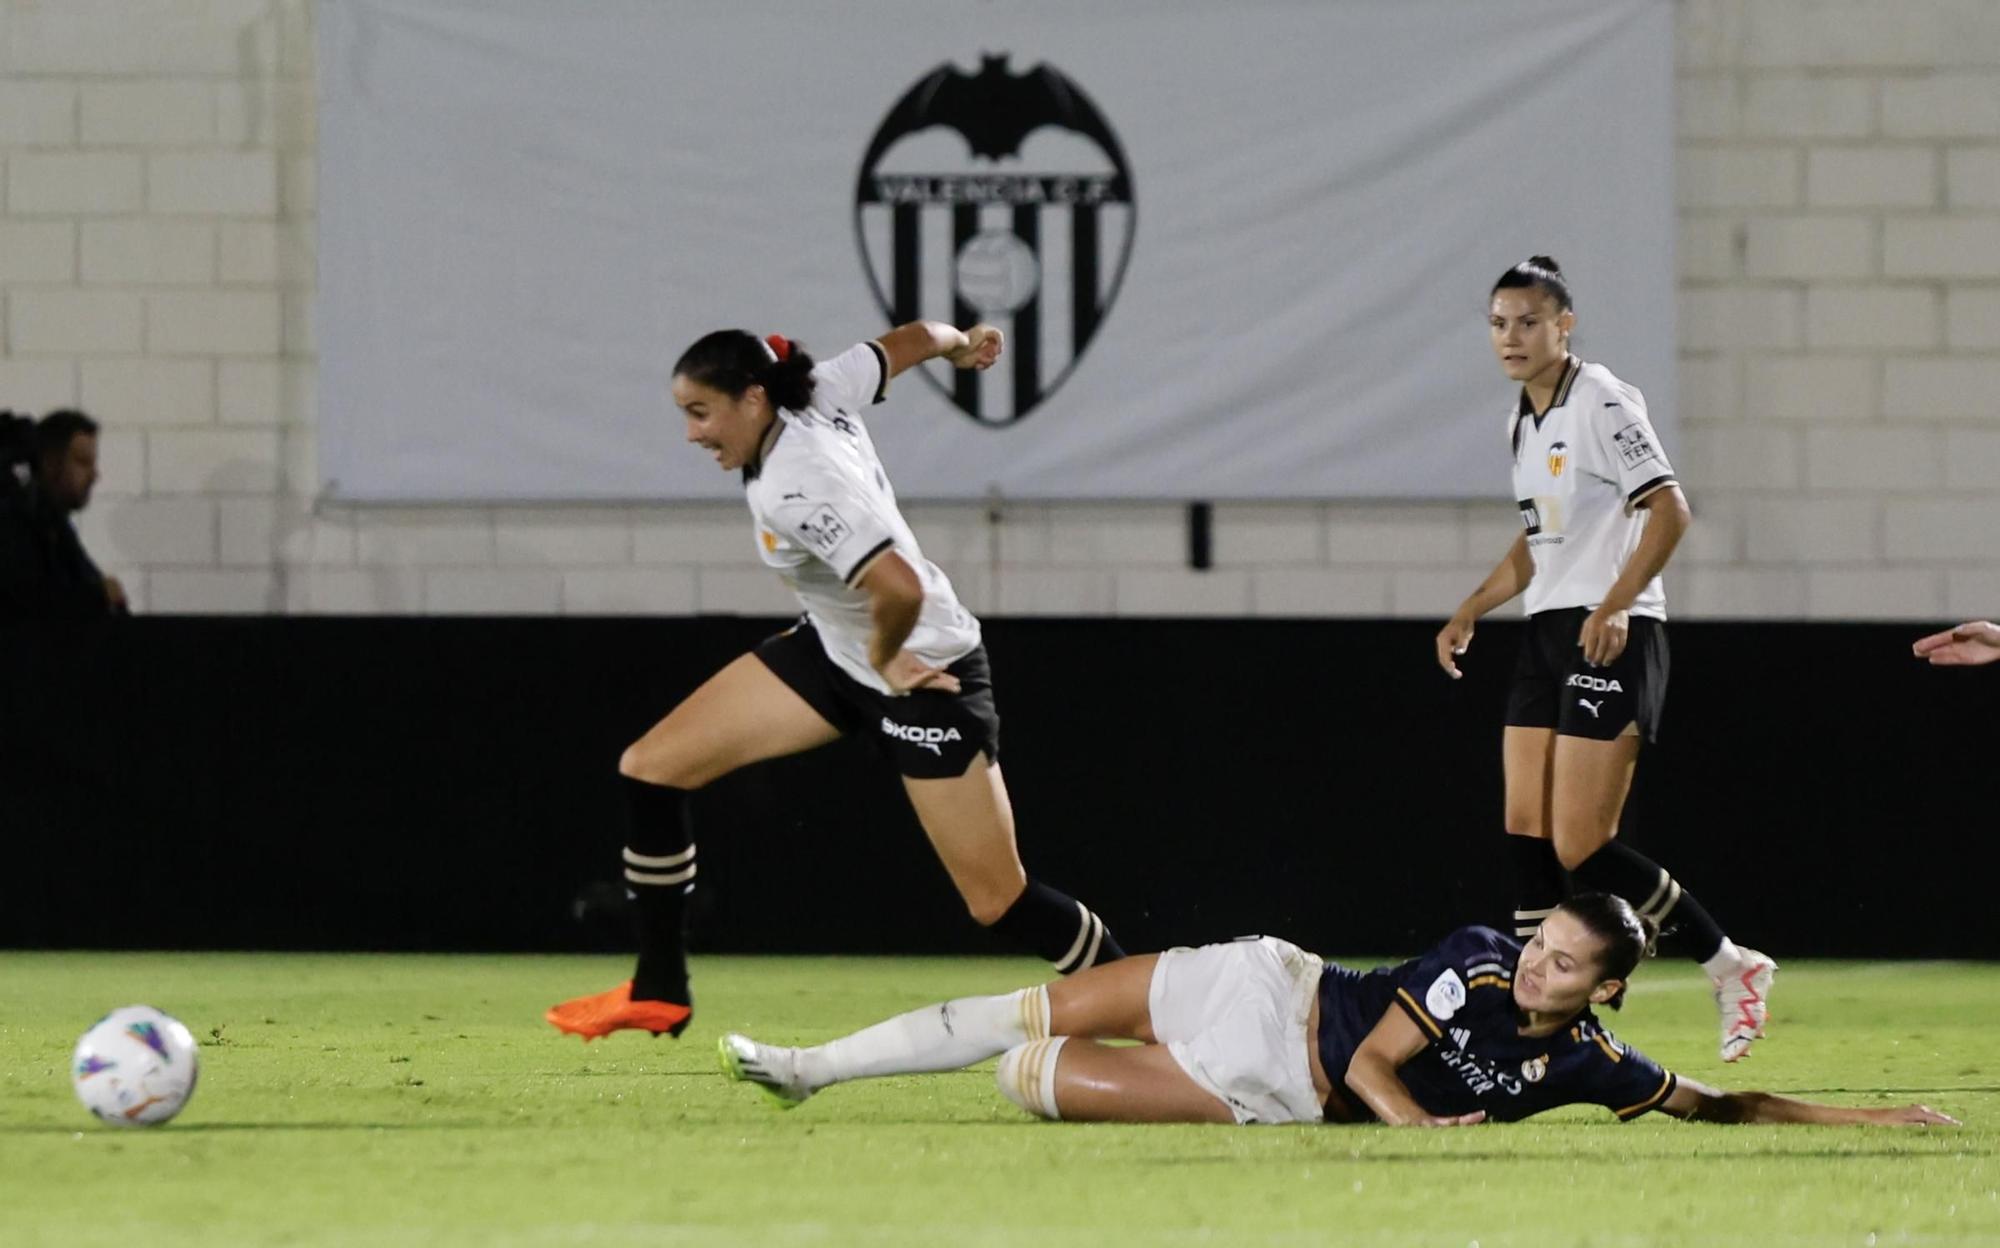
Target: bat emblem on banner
x,y
1025,221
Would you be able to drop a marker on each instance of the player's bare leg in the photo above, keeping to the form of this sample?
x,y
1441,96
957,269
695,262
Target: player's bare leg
x,y
1527,758
1589,781
1081,1081
1110,1002
970,823
741,715
1592,780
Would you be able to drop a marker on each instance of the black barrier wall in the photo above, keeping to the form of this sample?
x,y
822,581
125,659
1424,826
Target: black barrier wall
x,y
449,784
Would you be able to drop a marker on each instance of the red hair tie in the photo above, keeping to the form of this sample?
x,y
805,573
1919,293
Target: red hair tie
x,y
780,347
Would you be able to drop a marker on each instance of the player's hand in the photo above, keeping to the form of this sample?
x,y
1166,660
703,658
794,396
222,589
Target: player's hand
x,y
1453,640
1915,1116
983,344
1968,645
906,673
114,595
1474,1118
1604,636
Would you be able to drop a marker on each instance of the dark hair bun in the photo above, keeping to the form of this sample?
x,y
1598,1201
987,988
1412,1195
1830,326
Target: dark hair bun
x,y
733,360
1545,262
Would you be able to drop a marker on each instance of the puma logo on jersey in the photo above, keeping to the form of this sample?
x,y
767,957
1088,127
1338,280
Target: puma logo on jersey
x,y
1596,684
1592,707
923,738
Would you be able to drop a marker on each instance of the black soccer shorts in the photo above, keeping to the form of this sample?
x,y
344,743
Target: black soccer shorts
x,y
927,734
1554,688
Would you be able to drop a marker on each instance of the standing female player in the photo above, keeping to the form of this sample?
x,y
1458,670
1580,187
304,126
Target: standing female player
x,y
1260,1031
1601,514
884,650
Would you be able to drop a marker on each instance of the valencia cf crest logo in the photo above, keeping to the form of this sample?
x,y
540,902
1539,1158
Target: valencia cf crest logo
x,y
1558,458
1001,197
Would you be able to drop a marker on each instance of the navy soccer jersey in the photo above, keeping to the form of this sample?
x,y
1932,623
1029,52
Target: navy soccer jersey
x,y
1461,995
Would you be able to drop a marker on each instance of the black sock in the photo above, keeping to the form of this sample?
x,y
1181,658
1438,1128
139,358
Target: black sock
x,y
659,875
1538,881
1058,927
1619,869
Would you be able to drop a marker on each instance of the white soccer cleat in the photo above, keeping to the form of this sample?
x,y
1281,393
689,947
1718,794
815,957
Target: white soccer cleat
x,y
1742,997
773,1068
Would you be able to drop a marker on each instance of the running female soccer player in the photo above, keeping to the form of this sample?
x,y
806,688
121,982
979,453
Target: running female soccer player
x,y
1601,514
884,650
1260,1031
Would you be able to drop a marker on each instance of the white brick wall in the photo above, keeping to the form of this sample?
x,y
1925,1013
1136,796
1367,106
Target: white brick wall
x,y
1871,177
75,183
1839,253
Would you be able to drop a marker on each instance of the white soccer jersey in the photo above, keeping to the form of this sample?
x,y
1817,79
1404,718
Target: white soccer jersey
x,y
1580,471
824,510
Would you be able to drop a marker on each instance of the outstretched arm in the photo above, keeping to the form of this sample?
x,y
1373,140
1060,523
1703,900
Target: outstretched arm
x,y
1372,1074
910,345
1970,644
1699,1103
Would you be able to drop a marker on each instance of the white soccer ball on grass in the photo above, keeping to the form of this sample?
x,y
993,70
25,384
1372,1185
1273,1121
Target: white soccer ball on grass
x,y
135,1067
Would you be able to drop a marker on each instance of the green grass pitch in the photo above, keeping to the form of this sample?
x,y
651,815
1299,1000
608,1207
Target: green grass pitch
x,y
394,1100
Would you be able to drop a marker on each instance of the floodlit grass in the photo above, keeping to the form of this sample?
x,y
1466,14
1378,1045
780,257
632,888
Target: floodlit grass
x,y
421,1100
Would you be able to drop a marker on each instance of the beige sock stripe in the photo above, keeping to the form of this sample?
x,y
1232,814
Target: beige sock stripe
x,y
1045,1077
660,877
1028,1077
1035,1012
647,862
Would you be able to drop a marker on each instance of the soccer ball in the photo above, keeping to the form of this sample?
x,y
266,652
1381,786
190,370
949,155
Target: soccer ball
x,y
135,1067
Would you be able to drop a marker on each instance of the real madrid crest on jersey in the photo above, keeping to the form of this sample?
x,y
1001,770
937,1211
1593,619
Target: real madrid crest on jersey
x,y
1535,1068
1000,197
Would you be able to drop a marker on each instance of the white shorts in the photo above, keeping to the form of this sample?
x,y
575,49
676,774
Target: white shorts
x,y
1234,1016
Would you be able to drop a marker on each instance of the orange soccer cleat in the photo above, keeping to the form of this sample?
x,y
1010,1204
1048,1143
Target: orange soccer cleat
x,y
615,1010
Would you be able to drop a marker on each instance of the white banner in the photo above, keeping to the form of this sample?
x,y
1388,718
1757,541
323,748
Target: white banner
x,y
1242,250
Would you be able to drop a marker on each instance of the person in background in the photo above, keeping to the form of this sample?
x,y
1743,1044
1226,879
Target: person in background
x,y
1601,514
45,573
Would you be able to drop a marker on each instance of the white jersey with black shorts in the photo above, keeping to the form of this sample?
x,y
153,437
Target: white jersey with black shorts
x,y
1581,469
824,512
